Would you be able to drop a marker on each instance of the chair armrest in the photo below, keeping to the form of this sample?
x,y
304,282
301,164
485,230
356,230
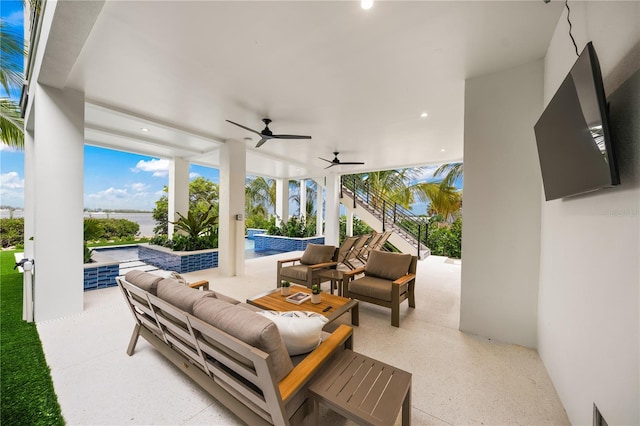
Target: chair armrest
x,y
404,279
323,265
294,259
309,366
197,284
348,275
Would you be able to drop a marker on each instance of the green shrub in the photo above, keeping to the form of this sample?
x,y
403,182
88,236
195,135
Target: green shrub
x,y
12,231
445,239
359,227
118,228
294,227
259,222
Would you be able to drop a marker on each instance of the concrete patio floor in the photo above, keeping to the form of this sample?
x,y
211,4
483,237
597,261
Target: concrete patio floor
x,y
457,378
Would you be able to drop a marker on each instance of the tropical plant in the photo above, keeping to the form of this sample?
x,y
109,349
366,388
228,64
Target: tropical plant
x,y
202,194
12,53
196,223
92,230
295,227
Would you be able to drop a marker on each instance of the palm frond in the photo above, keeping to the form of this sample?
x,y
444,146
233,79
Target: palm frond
x,y
11,124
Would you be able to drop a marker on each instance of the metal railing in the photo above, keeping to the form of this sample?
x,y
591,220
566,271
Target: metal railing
x,y
404,222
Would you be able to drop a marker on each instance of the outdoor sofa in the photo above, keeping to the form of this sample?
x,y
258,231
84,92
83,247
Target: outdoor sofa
x,y
235,354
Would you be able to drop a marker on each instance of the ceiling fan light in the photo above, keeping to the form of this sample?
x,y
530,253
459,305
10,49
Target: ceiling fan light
x,y
366,4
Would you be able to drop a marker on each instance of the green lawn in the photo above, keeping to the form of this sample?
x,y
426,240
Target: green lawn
x,y
26,390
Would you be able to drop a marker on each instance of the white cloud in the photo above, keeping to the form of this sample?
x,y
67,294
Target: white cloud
x,y
159,167
193,175
139,186
7,148
11,180
109,194
427,172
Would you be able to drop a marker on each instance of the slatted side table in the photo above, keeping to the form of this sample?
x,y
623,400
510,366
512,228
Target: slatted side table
x,y
364,390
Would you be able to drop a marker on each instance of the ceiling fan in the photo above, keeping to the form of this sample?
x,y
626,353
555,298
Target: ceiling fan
x,y
267,134
337,162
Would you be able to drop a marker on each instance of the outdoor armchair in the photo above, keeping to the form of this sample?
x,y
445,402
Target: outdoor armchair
x,y
389,279
306,269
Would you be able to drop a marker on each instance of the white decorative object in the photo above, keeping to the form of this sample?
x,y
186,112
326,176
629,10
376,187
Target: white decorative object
x,y
316,298
300,330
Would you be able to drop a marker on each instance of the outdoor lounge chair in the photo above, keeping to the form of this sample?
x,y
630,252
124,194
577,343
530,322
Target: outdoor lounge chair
x,y
344,252
389,279
306,269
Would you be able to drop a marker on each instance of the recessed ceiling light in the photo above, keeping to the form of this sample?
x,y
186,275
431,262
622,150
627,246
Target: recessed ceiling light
x,y
424,115
144,129
442,150
366,4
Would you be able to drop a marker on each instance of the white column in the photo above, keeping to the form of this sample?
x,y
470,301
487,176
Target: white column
x,y
332,222
282,200
319,203
349,224
232,197
303,198
29,193
178,191
58,158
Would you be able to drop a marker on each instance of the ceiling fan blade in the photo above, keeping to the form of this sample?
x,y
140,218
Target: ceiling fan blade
x,y
331,165
350,162
245,127
261,142
290,137
324,159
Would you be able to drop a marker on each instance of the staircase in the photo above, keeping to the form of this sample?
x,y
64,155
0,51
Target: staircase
x,y
382,214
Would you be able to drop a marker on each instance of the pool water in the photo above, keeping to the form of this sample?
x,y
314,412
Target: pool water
x,y
130,253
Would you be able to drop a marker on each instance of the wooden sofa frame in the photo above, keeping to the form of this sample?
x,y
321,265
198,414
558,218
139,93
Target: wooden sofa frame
x,y
238,375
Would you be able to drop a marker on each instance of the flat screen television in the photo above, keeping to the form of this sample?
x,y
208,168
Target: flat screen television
x,y
572,134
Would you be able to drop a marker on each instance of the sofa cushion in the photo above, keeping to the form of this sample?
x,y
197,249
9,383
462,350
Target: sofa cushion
x,y
180,296
300,330
295,272
317,253
377,288
249,327
390,266
144,280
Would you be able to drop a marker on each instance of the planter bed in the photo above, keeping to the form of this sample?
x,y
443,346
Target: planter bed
x,y
178,261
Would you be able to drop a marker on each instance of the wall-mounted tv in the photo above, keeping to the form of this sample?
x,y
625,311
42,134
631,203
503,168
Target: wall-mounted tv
x,y
574,145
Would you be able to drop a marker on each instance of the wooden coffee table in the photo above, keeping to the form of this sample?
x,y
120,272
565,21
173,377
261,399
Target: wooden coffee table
x,y
331,306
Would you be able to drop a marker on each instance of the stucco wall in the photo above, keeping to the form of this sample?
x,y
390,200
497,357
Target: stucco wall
x,y
501,229
588,317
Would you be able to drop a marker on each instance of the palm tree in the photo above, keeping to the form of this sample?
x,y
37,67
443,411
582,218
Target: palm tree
x,y
12,53
260,195
453,171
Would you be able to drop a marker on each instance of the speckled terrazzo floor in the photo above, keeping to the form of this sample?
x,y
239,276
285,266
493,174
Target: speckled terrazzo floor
x,y
458,379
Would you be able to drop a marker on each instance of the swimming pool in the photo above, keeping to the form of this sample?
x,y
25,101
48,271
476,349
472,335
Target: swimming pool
x,y
130,253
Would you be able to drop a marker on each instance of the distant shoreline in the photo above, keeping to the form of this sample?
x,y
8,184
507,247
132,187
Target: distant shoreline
x,y
144,219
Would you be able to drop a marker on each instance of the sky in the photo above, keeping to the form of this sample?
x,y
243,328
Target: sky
x,y
112,179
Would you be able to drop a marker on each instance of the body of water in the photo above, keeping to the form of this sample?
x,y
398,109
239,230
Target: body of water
x,y
145,220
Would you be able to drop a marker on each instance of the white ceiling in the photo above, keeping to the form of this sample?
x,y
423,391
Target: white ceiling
x,y
355,80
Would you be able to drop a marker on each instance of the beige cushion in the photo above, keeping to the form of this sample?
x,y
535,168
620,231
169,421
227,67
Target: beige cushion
x,y
248,326
180,296
300,330
295,272
144,280
390,266
317,253
223,297
377,288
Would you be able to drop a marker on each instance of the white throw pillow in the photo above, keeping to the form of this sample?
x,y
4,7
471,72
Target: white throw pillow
x,y
300,330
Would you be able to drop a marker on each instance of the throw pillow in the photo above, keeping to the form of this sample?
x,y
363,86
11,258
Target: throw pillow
x,y
300,330
317,253
389,266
